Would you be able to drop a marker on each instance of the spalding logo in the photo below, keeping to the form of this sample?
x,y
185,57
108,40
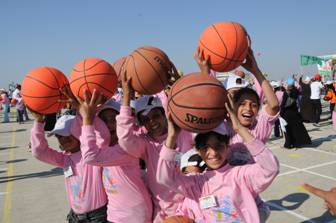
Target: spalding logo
x,y
201,120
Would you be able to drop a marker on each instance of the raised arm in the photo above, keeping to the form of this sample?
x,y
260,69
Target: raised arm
x,y
252,66
40,148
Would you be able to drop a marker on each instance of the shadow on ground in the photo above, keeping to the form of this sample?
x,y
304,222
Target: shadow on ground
x,y
8,147
17,130
290,202
16,161
51,173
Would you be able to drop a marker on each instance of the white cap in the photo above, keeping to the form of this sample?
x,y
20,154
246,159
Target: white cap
x,y
146,103
185,160
307,79
329,82
275,84
234,81
63,126
221,129
111,104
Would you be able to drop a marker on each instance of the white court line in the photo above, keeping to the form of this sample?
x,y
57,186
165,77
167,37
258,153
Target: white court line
x,y
307,168
3,193
320,151
307,171
290,212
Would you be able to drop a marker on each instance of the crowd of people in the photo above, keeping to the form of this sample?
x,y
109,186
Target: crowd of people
x,y
125,160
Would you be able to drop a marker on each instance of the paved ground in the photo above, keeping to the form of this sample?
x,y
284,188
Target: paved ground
x,y
33,192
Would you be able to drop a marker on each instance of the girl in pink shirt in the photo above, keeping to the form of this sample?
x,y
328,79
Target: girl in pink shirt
x,y
150,113
223,193
83,182
128,197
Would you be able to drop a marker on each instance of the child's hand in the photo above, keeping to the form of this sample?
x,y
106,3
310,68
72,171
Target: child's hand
x,y
37,116
173,131
231,110
174,74
128,91
88,107
251,63
202,62
66,91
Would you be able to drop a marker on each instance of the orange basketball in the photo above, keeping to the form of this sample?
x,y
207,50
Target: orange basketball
x,y
178,219
148,66
93,73
118,64
197,102
40,90
227,45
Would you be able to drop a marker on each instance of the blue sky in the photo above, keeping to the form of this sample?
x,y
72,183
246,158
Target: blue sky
x,y
60,33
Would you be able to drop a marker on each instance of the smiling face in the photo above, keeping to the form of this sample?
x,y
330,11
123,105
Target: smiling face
x,y
155,122
214,151
68,143
247,109
109,117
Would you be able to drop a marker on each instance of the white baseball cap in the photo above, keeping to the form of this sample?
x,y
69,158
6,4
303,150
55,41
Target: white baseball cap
x,y
111,104
275,84
328,82
234,81
146,103
221,129
307,79
191,158
63,126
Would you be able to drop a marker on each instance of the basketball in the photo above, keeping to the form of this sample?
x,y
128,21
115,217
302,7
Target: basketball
x,y
178,219
117,65
197,102
149,68
93,73
40,90
226,44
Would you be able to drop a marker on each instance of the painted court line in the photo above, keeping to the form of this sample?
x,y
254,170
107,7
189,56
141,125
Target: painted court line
x,y
9,186
291,212
306,171
307,168
320,151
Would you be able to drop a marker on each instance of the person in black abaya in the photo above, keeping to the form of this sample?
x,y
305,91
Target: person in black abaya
x,y
296,134
306,108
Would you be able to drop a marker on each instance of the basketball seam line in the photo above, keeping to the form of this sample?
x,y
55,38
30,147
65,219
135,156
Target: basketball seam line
x,y
226,51
164,54
59,93
121,66
137,77
152,68
87,85
37,80
85,69
226,58
49,106
241,53
50,96
89,75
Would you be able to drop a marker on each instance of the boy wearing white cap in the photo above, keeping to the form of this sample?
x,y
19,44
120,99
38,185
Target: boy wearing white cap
x,y
83,182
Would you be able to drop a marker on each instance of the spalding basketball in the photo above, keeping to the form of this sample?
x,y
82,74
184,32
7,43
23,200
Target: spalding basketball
x,y
93,73
226,44
197,102
117,65
178,219
40,90
149,68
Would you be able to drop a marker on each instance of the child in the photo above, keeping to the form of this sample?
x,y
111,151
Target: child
x,y
83,182
147,146
19,110
128,197
224,193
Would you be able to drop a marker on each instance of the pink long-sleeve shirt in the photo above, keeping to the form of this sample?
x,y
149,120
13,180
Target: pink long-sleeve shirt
x,y
128,197
143,146
232,186
84,187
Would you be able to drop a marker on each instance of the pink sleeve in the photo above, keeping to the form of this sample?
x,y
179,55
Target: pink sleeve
x,y
265,125
108,156
41,150
259,176
169,175
129,141
164,99
258,88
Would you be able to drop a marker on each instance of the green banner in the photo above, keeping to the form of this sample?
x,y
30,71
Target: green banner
x,y
308,60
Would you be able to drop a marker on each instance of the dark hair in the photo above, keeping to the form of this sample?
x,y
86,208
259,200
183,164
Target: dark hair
x,y
139,113
200,163
202,138
331,87
244,91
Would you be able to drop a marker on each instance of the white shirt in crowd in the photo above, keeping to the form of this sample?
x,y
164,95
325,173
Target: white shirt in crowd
x,y
315,88
16,94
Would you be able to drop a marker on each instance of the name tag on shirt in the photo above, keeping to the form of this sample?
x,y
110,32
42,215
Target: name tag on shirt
x,y
68,171
208,202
